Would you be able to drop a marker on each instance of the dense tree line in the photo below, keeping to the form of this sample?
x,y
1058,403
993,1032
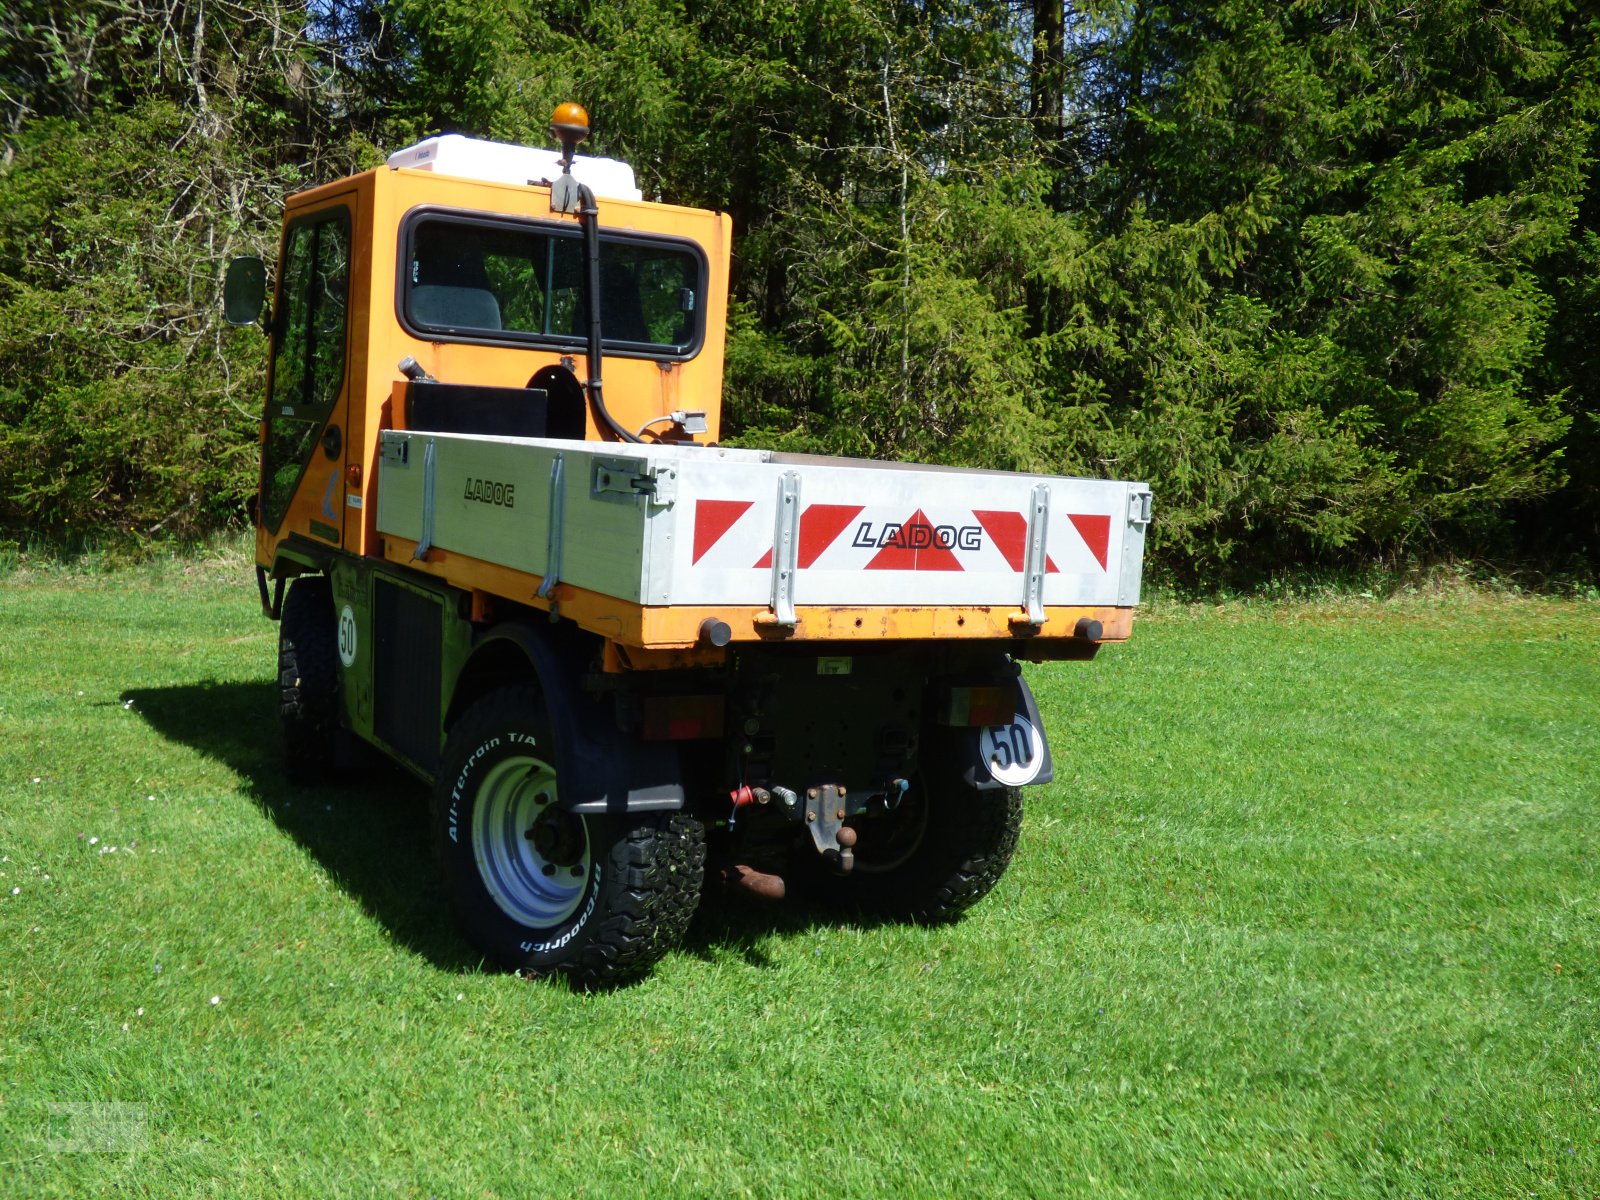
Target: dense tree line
x,y
1324,273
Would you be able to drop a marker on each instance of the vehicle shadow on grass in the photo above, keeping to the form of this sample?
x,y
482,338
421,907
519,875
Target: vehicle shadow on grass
x,y
370,832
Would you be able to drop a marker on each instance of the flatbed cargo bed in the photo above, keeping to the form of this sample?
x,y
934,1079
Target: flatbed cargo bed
x,y
643,543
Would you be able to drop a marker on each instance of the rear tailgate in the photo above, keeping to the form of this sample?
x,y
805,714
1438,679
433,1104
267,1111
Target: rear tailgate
x,y
868,533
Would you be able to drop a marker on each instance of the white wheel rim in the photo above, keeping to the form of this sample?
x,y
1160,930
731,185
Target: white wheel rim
x,y
533,858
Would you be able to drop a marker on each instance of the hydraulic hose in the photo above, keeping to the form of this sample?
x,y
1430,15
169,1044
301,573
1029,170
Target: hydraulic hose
x,y
589,218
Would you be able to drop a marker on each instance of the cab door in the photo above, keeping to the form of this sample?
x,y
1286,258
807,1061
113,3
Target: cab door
x,y
303,448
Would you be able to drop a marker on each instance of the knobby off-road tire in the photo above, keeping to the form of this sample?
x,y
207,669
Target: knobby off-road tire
x,y
597,898
308,679
935,856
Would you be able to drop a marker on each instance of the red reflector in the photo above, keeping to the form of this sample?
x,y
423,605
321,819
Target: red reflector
x,y
681,718
974,706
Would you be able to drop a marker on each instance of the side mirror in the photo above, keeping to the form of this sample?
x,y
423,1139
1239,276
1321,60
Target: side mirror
x,y
244,291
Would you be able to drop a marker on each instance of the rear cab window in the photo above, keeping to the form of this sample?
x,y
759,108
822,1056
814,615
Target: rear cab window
x,y
503,281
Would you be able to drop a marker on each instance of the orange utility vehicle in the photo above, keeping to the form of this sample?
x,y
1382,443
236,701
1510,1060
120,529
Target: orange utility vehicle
x,y
607,642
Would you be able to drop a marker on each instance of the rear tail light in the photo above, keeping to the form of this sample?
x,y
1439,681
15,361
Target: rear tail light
x,y
975,706
681,718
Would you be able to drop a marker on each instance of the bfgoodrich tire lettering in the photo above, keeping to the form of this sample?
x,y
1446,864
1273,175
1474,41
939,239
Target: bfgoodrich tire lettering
x,y
597,898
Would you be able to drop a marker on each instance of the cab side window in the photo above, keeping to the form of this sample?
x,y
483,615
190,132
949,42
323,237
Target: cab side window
x,y
308,352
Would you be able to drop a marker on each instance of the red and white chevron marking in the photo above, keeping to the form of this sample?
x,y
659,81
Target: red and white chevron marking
x,y
732,534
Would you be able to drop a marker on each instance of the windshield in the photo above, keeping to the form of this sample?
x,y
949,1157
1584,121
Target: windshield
x,y
480,280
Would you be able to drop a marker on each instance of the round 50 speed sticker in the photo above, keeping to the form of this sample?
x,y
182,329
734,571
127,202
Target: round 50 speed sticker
x,y
1013,753
347,637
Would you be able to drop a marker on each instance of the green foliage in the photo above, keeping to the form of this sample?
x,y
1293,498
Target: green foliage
x,y
1413,168
116,410
1282,264
1324,277
143,158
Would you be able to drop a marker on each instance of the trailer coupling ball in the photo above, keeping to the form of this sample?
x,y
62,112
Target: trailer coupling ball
x,y
846,861
825,815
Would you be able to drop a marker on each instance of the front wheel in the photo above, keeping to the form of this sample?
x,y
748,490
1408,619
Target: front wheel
x,y
939,852
308,679
595,897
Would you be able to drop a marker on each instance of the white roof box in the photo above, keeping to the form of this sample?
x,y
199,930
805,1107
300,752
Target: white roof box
x,y
497,162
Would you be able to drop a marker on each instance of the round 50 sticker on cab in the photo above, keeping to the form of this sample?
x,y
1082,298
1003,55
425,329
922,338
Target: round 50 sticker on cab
x,y
1013,753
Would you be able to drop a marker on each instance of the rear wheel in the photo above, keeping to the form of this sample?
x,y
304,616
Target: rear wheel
x,y
595,897
934,856
308,679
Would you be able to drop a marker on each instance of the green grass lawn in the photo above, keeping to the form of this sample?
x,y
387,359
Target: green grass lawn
x,y
1310,910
